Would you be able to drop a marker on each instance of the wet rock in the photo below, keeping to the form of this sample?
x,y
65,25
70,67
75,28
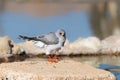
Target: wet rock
x,y
111,45
43,70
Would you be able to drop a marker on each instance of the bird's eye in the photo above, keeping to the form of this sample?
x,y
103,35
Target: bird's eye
x,y
60,33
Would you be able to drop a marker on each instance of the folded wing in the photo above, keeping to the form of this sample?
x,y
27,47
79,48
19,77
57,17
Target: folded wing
x,y
48,39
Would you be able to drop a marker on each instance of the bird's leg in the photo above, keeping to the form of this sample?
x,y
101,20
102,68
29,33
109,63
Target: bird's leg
x,y
50,59
57,52
55,57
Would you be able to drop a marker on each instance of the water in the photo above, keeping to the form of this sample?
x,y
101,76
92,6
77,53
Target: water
x,y
75,24
94,61
33,19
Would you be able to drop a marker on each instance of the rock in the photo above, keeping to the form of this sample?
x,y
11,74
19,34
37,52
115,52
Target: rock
x,y
5,48
66,49
67,43
8,50
43,70
88,45
17,49
30,48
111,45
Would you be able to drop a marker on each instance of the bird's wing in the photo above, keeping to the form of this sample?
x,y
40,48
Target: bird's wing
x,y
49,38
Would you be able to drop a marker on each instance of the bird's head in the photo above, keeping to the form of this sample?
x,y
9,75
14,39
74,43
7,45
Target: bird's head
x,y
61,33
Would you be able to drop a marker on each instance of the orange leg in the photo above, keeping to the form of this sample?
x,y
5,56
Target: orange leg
x,y
55,57
50,59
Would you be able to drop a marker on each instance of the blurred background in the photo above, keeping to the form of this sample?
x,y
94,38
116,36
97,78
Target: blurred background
x,y
80,18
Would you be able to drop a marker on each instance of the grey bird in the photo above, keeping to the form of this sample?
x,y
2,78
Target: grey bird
x,y
51,42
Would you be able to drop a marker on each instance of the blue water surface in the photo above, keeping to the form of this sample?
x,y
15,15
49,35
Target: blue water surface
x,y
108,67
76,24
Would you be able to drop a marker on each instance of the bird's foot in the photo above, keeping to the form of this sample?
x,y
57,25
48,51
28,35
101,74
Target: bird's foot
x,y
52,61
49,57
55,57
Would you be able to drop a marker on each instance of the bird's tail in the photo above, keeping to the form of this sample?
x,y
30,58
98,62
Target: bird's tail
x,y
27,38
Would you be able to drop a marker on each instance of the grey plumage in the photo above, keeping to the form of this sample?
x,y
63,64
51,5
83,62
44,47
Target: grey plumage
x,y
52,41
50,38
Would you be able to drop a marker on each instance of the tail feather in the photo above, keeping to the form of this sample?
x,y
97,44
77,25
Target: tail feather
x,y
26,38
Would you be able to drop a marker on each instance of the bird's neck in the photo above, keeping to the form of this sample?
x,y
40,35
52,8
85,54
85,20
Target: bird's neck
x,y
60,42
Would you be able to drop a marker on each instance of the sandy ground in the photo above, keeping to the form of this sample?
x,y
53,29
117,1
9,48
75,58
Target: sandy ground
x,y
43,70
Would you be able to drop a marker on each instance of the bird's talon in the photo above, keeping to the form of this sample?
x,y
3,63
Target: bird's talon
x,y
57,58
52,61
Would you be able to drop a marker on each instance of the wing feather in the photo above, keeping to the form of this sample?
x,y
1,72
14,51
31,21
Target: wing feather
x,y
49,38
